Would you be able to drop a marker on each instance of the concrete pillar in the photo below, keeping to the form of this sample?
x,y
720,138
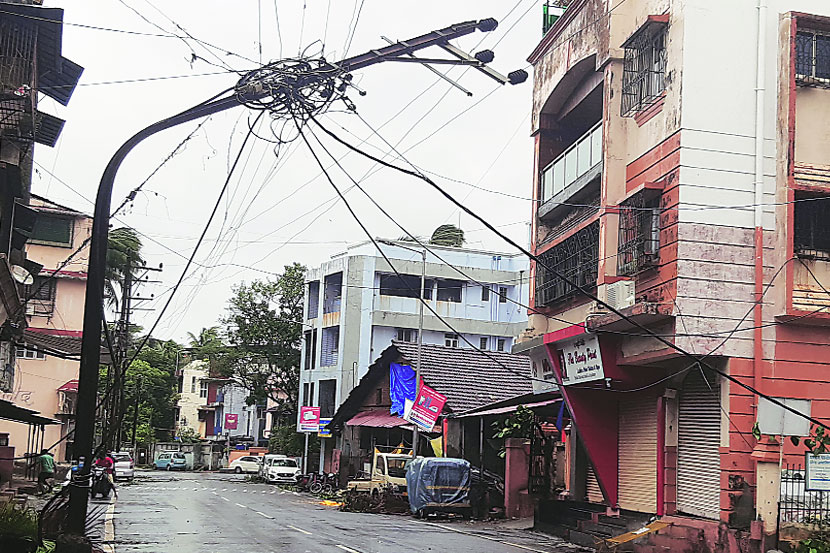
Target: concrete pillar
x,y
517,500
767,456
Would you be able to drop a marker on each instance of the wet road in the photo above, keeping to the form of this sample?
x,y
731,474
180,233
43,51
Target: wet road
x,y
222,513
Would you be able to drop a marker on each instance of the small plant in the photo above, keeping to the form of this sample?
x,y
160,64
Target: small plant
x,y
817,443
18,528
518,425
813,545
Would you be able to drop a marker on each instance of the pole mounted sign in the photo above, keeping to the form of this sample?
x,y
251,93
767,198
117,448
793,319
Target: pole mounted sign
x,y
309,419
427,408
231,421
580,360
324,432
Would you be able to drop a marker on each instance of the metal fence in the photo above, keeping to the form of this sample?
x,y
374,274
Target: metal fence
x,y
797,506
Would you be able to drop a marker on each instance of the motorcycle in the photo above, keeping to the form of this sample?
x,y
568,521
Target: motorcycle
x,y
100,483
325,483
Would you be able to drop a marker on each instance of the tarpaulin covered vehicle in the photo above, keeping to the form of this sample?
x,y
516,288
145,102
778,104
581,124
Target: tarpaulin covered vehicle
x,y
439,485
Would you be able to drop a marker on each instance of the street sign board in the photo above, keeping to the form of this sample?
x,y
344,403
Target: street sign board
x,y
427,408
231,421
817,473
309,419
580,360
324,432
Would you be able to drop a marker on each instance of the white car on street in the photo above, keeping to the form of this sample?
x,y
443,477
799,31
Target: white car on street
x,y
246,464
280,469
124,466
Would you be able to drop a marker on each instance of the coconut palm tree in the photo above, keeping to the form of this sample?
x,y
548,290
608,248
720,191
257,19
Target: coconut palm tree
x,y
123,254
447,235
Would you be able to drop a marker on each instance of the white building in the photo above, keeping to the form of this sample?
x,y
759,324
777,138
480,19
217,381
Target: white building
x,y
355,305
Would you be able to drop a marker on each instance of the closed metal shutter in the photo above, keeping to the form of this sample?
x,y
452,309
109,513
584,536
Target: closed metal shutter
x,y
638,455
592,486
698,447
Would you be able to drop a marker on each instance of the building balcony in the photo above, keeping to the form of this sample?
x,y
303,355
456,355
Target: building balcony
x,y
571,172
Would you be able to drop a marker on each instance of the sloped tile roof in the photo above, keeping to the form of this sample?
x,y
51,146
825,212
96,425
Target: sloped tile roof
x,y
468,377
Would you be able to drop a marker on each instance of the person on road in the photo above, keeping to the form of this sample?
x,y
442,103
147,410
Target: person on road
x,y
104,460
46,465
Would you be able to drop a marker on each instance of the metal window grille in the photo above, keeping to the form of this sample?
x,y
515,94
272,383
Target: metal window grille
x,y
576,258
332,293
639,235
49,229
482,343
310,348
811,238
451,340
799,508
41,294
644,69
313,299
17,52
330,344
812,58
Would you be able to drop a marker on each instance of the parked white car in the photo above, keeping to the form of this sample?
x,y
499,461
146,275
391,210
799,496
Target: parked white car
x,y
279,469
246,464
124,465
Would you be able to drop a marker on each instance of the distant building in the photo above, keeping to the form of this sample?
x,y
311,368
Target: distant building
x,y
355,306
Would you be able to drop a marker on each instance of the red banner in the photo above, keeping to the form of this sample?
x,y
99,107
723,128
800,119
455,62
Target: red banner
x,y
309,419
427,408
231,421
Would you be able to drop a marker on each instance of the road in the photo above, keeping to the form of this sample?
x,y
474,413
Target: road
x,y
222,513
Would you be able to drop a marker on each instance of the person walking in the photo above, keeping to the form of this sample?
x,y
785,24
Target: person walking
x,y
46,471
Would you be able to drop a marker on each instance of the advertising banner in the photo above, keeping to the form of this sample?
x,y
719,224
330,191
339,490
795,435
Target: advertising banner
x,y
324,432
309,419
231,421
427,408
580,360
818,472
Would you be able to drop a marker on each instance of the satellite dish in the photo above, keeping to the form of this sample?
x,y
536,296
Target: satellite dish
x,y
21,275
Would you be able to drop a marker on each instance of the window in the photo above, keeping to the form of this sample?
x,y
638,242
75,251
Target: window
x,y
328,402
639,234
305,395
310,337
502,294
812,57
203,389
28,353
500,344
576,258
485,293
332,293
41,296
193,385
313,299
451,340
811,237
482,342
450,290
644,68
407,335
52,230
330,344
404,286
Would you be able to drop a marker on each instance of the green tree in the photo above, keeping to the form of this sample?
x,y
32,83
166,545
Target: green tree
x,y
123,251
447,235
207,344
263,336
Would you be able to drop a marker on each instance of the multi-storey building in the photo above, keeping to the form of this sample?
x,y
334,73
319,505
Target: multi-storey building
x,y
355,305
682,176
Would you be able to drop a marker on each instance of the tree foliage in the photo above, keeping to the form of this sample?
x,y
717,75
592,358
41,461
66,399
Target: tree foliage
x,y
207,344
123,251
447,235
263,336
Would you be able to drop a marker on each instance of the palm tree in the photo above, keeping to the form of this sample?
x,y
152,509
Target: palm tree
x,y
123,254
447,235
207,337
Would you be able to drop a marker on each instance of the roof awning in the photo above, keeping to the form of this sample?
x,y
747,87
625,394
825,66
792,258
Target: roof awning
x,y
71,386
376,419
509,408
11,412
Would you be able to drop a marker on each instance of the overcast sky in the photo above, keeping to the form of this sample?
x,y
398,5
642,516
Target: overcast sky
x,y
279,208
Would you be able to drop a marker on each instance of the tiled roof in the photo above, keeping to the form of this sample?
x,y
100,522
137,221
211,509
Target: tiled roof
x,y
50,343
468,377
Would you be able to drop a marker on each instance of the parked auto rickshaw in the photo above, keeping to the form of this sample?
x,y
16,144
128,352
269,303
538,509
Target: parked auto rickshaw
x,y
439,485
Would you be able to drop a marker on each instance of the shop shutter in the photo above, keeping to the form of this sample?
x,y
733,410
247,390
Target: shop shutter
x,y
638,454
698,448
592,486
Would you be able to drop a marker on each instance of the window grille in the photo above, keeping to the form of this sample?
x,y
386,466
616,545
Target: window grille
x,y
310,349
502,294
41,296
576,258
313,299
644,69
639,234
332,293
407,335
500,344
51,230
451,340
482,343
812,57
330,344
811,237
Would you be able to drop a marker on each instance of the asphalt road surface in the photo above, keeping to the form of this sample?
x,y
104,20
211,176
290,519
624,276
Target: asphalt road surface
x,y
222,513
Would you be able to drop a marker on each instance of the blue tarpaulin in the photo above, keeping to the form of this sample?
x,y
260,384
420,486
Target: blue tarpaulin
x,y
401,386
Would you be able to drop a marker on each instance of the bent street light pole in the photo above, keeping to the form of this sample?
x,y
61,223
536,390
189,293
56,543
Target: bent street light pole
x,y
271,81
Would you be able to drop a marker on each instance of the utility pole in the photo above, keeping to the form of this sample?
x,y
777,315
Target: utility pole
x,y
124,339
139,382
284,87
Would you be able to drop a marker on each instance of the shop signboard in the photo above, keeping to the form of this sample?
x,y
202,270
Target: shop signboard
x,y
309,419
580,360
324,431
817,475
427,408
231,421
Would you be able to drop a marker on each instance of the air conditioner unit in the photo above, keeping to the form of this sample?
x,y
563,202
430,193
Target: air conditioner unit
x,y
620,294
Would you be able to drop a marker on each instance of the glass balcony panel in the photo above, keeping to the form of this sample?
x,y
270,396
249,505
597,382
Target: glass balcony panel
x,y
547,184
570,167
583,154
596,145
558,177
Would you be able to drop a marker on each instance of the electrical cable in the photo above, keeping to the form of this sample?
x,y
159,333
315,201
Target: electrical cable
x,y
352,29
569,281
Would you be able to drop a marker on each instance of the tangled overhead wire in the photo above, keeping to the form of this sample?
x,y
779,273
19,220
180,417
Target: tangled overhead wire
x,y
292,91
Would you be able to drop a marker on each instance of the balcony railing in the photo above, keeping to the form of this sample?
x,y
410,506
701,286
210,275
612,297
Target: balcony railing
x,y
573,163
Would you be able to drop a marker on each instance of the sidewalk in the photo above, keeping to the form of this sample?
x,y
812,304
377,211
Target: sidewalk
x,y
516,532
